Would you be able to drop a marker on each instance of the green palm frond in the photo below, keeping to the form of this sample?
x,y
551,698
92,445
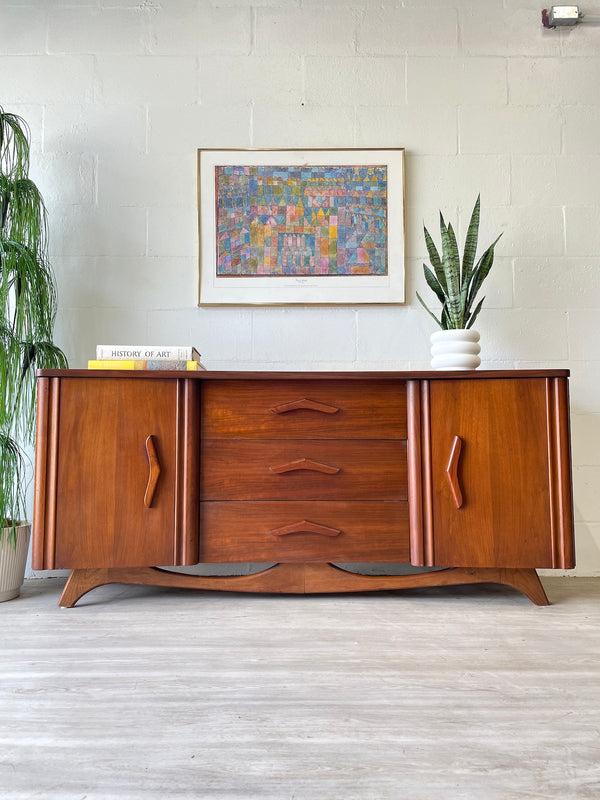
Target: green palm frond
x,y
28,303
14,145
12,471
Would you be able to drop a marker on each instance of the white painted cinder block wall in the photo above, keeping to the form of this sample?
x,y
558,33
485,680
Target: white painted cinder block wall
x,y
120,94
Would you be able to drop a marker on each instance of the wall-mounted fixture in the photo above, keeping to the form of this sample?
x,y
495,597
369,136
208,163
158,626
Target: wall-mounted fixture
x,y
561,16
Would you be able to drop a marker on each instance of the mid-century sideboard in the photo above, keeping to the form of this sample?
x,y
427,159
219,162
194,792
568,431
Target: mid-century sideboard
x,y
310,472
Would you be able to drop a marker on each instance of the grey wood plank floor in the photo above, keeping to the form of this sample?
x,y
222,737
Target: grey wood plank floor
x,y
141,693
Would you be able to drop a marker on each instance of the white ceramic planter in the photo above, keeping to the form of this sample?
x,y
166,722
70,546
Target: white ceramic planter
x,y
13,560
455,349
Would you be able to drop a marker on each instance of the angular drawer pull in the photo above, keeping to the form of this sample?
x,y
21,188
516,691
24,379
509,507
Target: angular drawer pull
x,y
305,463
304,403
153,476
305,527
452,471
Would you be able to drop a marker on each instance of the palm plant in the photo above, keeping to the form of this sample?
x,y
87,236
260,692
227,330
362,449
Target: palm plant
x,y
456,283
28,301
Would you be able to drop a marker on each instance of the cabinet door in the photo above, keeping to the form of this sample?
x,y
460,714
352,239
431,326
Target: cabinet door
x,y
497,473
118,460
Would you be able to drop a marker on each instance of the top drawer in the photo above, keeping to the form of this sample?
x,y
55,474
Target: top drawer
x,y
317,409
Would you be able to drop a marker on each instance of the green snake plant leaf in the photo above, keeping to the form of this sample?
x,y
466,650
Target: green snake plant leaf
x,y
431,314
475,313
451,259
470,251
433,284
455,281
480,273
436,261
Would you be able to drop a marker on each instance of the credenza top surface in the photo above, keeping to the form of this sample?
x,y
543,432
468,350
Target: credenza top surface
x,y
209,375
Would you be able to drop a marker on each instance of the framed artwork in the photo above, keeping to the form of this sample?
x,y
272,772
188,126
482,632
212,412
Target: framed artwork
x,y
294,227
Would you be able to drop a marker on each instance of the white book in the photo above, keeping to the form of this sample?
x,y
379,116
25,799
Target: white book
x,y
147,351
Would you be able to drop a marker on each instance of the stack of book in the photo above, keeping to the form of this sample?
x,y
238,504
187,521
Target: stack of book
x,y
118,356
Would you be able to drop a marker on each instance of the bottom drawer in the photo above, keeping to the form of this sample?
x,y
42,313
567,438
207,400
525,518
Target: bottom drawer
x,y
304,531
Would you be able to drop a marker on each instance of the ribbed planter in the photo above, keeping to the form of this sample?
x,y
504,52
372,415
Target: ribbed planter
x,y
13,560
455,349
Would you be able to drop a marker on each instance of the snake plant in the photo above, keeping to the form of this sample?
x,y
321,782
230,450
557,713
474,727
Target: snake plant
x,y
28,305
456,282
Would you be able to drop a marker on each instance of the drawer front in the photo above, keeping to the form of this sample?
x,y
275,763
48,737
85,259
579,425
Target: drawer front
x,y
303,470
327,409
296,531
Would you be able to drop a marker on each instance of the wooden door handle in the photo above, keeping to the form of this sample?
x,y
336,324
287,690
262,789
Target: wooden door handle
x,y
305,527
304,403
154,471
452,471
304,463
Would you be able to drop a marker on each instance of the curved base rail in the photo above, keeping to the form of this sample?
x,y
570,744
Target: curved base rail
x,y
301,578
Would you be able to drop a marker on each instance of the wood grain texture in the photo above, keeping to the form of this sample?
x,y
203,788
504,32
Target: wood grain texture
x,y
559,459
452,471
304,464
206,376
302,578
304,526
329,578
304,404
283,578
370,531
416,491
46,460
153,471
505,520
357,474
368,409
102,475
187,472
241,470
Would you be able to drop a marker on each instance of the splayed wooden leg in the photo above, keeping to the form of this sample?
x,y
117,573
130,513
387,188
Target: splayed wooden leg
x,y
301,578
281,578
329,578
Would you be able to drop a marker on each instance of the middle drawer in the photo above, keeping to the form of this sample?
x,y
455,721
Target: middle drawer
x,y
307,469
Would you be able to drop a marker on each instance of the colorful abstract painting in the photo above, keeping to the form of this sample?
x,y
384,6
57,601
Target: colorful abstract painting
x,y
286,221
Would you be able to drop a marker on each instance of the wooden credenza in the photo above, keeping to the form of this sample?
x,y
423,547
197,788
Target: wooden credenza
x,y
139,471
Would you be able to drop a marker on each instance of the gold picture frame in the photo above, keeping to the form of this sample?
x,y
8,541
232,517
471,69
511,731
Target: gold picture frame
x,y
301,227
